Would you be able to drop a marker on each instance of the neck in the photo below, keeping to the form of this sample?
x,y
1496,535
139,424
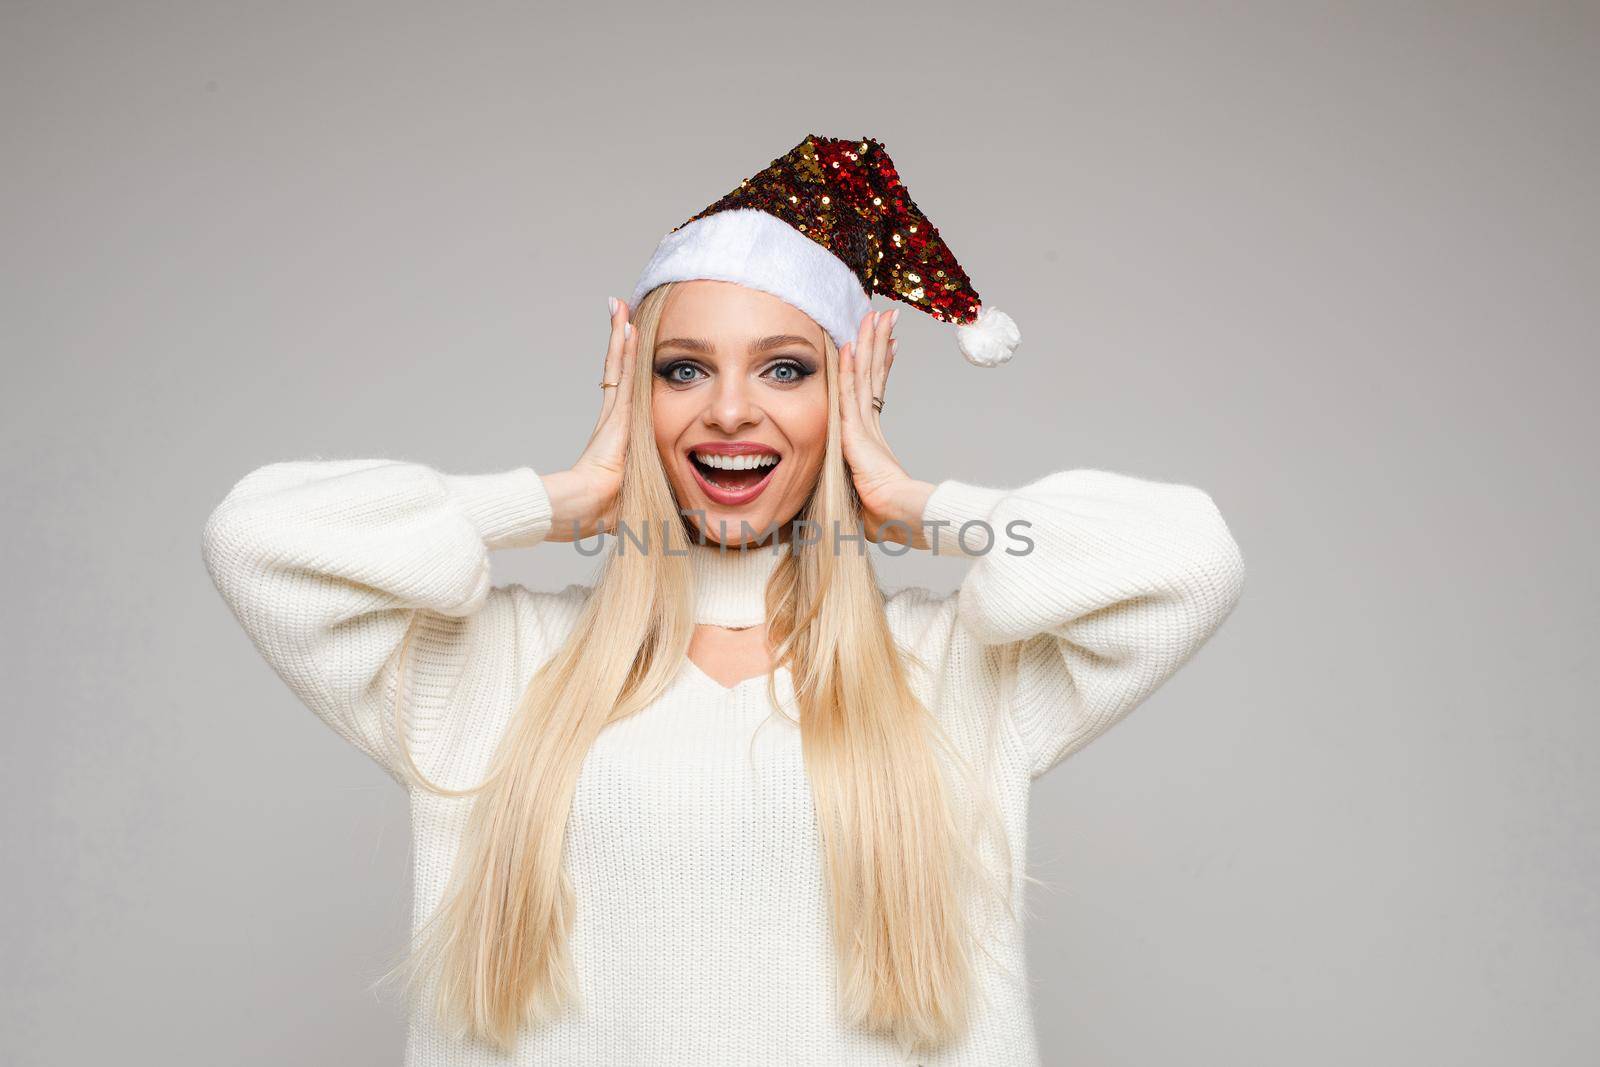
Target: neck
x,y
730,584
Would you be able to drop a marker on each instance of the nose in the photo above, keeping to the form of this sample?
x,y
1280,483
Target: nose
x,y
731,406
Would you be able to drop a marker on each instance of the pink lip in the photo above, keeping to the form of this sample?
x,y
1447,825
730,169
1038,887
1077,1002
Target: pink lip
x,y
731,498
735,448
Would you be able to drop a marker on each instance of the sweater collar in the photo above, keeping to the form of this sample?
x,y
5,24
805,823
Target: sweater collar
x,y
730,585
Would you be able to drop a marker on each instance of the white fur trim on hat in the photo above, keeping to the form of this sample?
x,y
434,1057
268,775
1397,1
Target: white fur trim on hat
x,y
755,249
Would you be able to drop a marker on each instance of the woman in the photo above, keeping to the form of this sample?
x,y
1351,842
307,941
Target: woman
x,y
731,803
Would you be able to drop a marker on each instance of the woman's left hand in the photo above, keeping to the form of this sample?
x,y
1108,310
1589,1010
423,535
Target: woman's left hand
x,y
892,502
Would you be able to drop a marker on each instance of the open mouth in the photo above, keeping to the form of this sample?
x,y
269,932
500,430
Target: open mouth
x,y
733,479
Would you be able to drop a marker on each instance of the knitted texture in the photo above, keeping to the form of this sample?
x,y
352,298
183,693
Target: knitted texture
x,y
701,934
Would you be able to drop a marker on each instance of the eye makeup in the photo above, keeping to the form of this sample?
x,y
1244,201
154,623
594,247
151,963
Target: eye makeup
x,y
799,368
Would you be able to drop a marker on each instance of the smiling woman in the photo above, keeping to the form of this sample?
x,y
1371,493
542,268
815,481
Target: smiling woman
x,y
626,851
739,409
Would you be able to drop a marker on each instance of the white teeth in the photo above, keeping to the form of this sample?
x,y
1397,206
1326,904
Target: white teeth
x,y
735,463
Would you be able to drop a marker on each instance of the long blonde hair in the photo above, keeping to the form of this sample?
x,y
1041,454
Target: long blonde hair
x,y
899,857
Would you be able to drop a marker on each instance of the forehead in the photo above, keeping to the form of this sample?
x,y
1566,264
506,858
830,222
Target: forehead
x,y
728,313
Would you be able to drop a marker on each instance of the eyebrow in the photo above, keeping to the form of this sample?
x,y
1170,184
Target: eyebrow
x,y
766,344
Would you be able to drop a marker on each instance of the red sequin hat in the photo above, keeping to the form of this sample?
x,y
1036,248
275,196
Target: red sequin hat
x,y
823,227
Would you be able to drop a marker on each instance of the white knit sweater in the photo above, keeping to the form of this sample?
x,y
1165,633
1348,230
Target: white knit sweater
x,y
701,933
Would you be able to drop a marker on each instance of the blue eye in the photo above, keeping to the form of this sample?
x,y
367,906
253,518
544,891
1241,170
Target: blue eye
x,y
790,372
784,372
670,372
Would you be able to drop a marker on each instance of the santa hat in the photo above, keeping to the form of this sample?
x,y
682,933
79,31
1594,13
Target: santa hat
x,y
825,226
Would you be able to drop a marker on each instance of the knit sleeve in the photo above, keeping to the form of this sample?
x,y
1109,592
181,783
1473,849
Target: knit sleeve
x,y
327,564
1087,590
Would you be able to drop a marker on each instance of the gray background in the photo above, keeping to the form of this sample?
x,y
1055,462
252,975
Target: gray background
x,y
1336,264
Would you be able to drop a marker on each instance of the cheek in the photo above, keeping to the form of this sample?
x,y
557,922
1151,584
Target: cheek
x,y
811,423
805,424
668,420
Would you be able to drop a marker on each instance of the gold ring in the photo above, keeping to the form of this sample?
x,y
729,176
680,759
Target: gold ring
x,y
609,385
877,403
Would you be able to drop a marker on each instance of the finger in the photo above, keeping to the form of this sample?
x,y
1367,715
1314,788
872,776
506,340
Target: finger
x,y
847,380
608,444
880,356
626,371
613,361
869,359
861,350
880,368
861,362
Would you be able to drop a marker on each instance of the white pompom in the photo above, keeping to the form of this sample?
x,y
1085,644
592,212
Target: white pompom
x,y
991,340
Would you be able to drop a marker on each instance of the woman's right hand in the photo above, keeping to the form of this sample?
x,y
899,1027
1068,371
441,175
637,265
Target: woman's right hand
x,y
584,499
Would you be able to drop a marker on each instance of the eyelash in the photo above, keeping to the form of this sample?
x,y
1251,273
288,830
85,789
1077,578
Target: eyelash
x,y
803,372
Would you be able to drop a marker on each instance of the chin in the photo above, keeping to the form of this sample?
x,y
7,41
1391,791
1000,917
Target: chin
x,y
718,519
